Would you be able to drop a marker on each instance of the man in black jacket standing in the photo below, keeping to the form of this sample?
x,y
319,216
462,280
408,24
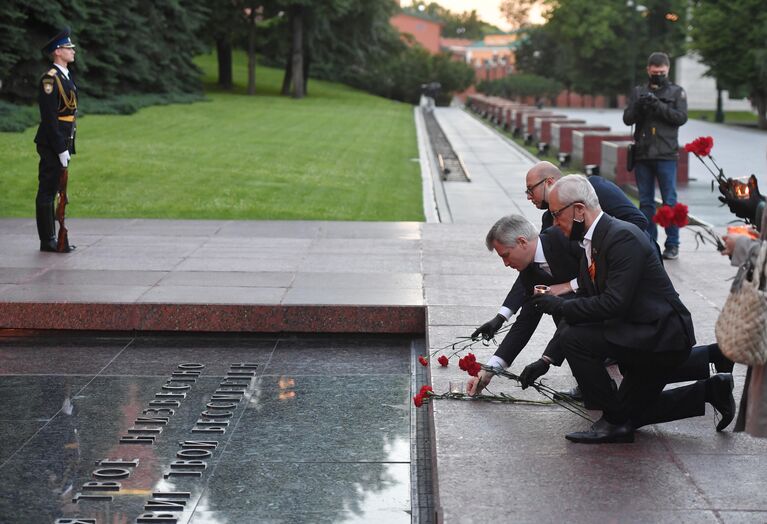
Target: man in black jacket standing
x,y
57,98
657,109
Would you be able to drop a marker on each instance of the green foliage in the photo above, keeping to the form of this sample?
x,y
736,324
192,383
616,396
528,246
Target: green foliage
x,y
123,46
521,85
454,25
340,154
602,47
731,38
16,118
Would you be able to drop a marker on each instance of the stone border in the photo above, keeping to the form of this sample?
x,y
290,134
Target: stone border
x,y
214,318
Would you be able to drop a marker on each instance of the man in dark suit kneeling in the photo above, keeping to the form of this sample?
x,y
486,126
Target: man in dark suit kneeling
x,y
627,309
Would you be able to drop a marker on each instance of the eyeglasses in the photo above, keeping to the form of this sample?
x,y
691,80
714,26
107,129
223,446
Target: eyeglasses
x,y
556,214
530,189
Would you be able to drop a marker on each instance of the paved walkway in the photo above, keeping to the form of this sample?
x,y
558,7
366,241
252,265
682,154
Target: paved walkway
x,y
493,462
511,463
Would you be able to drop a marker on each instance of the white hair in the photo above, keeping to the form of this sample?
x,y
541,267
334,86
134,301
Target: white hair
x,y
576,188
508,229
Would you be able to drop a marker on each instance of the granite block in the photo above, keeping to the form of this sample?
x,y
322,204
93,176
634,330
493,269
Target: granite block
x,y
90,277
362,356
394,281
359,419
275,279
361,295
59,355
301,492
212,295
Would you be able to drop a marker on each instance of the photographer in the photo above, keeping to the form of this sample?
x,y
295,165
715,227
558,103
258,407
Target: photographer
x,y
658,109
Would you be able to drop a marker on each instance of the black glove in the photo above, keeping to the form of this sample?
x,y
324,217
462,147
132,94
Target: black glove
x,y
489,328
550,304
744,208
533,372
649,100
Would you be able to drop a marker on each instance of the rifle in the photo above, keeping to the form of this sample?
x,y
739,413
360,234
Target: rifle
x,y
62,243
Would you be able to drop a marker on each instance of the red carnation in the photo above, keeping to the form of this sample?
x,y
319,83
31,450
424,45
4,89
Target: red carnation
x,y
442,361
418,400
466,362
425,390
423,361
664,217
701,146
680,215
474,369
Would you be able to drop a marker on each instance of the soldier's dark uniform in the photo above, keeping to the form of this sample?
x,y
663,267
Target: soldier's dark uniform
x,y
57,98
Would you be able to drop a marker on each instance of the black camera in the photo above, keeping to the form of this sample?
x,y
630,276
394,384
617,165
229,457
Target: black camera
x,y
648,100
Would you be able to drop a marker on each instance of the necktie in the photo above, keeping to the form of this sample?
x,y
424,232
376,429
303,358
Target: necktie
x,y
592,270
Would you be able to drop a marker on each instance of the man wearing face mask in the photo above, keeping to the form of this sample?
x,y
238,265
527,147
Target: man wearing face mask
x,y
657,109
627,309
539,180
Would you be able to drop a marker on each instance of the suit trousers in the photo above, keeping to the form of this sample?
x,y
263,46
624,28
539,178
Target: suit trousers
x,y
49,173
640,398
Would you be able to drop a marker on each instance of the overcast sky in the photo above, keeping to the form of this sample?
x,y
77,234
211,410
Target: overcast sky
x,y
486,9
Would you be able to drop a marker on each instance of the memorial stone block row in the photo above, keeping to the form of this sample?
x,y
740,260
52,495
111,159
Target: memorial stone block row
x,y
594,149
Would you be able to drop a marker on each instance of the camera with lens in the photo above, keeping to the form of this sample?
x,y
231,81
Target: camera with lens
x,y
648,100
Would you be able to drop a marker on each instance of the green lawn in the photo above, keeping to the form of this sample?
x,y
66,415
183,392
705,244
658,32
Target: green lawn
x,y
730,117
338,154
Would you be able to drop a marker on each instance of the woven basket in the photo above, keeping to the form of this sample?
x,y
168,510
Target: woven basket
x,y
741,329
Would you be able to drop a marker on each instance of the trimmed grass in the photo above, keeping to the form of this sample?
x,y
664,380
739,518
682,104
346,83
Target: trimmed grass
x,y
730,117
339,154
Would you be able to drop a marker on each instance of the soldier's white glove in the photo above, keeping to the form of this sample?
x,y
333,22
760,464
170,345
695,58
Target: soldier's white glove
x,y
64,158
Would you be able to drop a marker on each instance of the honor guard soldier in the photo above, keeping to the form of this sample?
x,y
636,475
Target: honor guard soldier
x,y
55,139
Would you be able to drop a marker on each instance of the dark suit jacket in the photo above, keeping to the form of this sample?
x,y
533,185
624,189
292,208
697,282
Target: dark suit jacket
x,y
562,257
612,200
631,299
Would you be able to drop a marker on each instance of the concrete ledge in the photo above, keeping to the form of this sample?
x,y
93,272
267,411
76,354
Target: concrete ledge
x,y
214,318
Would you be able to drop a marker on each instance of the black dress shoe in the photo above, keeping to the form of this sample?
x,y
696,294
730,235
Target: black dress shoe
x,y
602,432
52,247
721,398
570,394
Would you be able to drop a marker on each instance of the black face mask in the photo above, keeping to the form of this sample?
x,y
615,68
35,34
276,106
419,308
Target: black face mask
x,y
658,80
578,231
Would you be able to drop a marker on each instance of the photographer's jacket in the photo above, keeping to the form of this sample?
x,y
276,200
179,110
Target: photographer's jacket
x,y
657,122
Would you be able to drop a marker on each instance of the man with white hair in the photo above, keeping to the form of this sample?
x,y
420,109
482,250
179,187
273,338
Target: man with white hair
x,y
627,309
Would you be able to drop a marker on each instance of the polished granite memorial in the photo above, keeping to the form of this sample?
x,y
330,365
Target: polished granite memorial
x,y
218,429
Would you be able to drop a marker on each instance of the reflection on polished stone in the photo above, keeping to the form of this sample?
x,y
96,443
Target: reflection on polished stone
x,y
319,446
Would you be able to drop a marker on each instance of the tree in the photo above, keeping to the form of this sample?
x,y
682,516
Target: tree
x,y
731,38
602,47
455,25
123,46
517,12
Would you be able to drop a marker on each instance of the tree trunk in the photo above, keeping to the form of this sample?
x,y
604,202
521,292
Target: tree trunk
x,y
286,78
252,51
224,55
307,63
298,52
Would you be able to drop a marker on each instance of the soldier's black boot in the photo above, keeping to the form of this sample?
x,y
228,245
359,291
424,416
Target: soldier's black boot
x,y
46,228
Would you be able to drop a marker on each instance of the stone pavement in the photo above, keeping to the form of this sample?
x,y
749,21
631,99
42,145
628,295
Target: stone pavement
x,y
492,462
738,150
